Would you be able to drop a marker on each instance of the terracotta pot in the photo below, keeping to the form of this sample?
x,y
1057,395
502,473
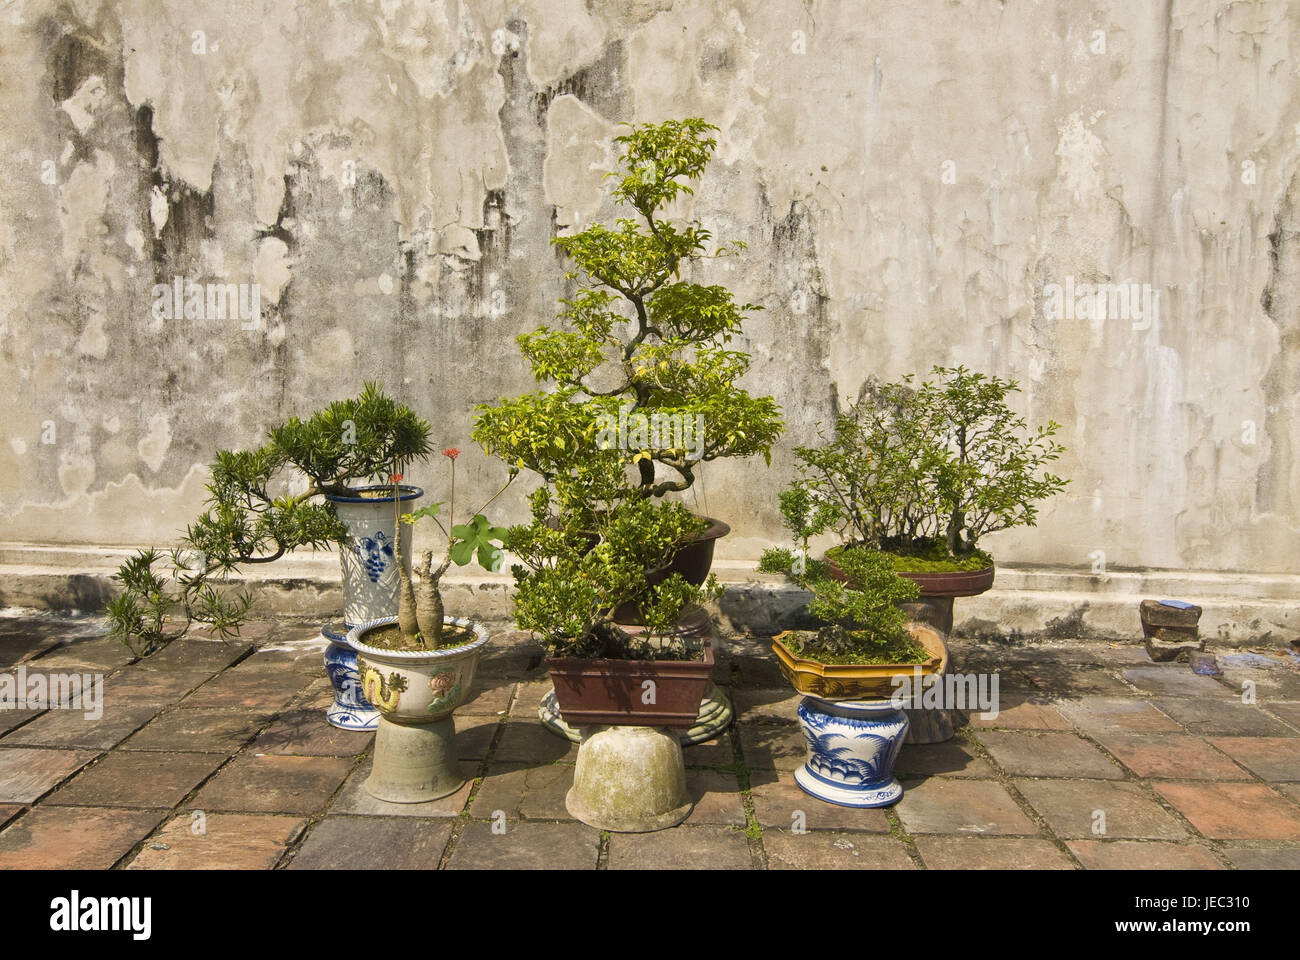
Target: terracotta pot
x,y
959,583
851,681
602,691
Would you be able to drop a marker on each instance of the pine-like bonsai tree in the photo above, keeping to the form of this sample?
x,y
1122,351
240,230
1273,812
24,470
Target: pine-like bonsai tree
x,y
644,384
350,441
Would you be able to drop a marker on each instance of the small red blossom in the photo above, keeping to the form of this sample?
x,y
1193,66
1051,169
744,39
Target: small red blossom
x,y
395,477
451,452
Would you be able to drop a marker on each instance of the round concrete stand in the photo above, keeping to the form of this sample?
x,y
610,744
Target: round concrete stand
x,y
714,717
418,762
629,780
932,611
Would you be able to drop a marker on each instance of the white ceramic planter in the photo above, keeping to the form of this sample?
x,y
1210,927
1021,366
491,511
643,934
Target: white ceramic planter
x,y
415,693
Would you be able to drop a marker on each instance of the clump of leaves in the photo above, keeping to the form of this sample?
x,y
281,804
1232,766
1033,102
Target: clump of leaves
x,y
244,522
925,471
571,582
636,341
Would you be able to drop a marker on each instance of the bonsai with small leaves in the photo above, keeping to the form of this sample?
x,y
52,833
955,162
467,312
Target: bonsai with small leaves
x,y
637,340
923,472
256,512
571,582
420,609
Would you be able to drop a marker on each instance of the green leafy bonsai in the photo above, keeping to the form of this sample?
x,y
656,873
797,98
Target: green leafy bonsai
x,y
643,384
924,472
571,582
246,522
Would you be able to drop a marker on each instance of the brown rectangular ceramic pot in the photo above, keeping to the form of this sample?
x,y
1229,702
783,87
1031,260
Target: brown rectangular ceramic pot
x,y
611,691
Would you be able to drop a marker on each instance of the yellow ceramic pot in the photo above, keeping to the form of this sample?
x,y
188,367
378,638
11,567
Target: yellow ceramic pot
x,y
853,681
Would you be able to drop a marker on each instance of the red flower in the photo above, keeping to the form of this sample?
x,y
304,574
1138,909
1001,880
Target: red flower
x,y
395,477
451,452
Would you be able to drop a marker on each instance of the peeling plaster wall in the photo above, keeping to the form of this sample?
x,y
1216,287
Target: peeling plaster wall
x,y
910,179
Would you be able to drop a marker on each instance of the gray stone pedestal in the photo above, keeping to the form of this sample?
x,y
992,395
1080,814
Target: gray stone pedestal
x,y
629,780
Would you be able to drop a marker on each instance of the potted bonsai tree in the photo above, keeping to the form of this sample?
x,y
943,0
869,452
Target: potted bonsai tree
x,y
258,510
847,667
922,473
641,385
619,686
417,667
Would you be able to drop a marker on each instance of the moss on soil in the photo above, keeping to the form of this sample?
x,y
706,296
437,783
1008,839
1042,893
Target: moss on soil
x,y
903,651
390,638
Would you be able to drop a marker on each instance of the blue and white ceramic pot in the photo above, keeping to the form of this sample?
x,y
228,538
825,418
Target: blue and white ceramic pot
x,y
370,585
852,747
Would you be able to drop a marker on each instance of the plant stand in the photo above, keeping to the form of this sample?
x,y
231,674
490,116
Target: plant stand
x,y
852,747
415,763
350,710
629,780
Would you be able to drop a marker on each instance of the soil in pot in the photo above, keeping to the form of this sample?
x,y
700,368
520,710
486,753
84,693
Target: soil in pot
x,y
391,638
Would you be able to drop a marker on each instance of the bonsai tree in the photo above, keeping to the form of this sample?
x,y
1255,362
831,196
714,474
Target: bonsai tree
x,y
419,599
924,472
642,382
862,622
245,522
571,583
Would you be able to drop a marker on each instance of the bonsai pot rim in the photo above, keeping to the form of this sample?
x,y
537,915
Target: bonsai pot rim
x,y
935,584
408,492
857,681
417,657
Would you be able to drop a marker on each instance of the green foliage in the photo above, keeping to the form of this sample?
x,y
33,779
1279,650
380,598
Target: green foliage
x,y
349,442
636,339
861,611
478,536
908,468
570,582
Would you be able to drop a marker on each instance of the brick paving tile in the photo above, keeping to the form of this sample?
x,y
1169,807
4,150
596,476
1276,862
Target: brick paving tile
x,y
12,719
751,706
1021,711
1098,715
270,784
681,848
1171,756
528,697
961,806
1025,754
228,841
527,846
1071,809
756,670
98,655
1077,680
131,779
1234,811
193,652
73,838
1292,790
1223,718
716,796
373,843
201,731
72,728
825,850
488,697
8,811
1142,855
1263,858
545,788
137,686
781,803
502,789
249,689
306,733
527,741
949,759
352,798
991,853
19,649
1177,680
1269,758
28,773
1101,654
717,752
773,746
474,735
1289,712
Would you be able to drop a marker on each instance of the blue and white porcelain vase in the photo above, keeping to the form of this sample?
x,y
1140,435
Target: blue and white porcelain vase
x,y
370,586
852,747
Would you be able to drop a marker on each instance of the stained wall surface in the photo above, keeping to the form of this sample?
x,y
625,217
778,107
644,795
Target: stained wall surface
x,y
914,181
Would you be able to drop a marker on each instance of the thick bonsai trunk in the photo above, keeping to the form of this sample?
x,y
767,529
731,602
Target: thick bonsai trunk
x,y
428,605
955,524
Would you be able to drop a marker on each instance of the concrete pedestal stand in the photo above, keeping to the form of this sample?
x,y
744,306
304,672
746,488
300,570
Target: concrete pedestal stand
x,y
629,780
415,763
930,726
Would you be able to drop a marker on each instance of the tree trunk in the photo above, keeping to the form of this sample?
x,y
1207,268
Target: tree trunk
x,y
406,621
955,524
428,604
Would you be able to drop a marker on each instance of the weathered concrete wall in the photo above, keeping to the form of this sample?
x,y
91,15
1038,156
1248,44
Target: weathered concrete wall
x,y
911,178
